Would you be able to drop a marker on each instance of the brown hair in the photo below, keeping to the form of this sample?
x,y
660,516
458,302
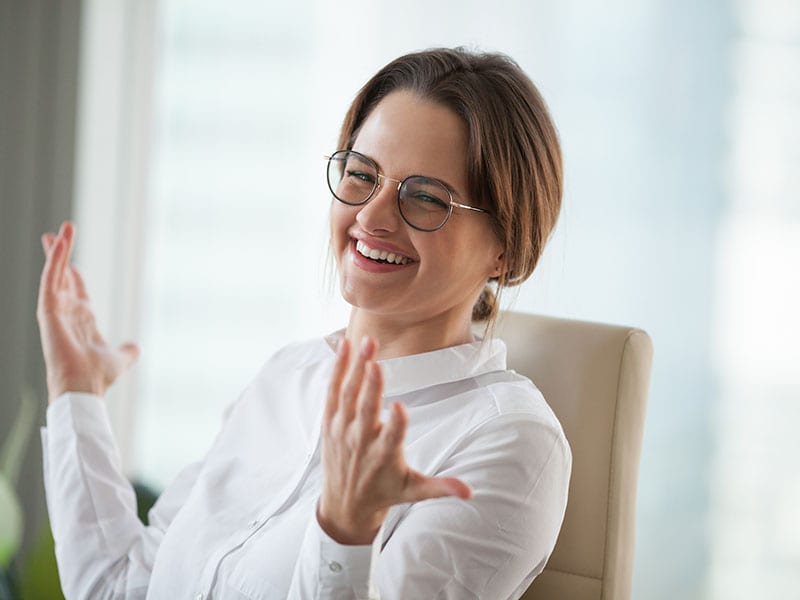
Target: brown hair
x,y
513,153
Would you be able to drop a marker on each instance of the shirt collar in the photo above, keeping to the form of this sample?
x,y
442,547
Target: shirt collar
x,y
417,371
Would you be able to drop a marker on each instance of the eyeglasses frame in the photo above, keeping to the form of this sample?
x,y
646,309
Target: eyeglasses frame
x,y
377,185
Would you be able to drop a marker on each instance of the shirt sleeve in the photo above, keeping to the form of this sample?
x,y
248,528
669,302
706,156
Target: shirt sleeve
x,y
491,546
102,548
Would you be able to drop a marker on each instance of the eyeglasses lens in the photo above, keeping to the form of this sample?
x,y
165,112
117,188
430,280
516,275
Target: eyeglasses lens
x,y
424,203
351,178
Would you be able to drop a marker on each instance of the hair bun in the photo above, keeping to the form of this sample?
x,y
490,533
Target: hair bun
x,y
485,308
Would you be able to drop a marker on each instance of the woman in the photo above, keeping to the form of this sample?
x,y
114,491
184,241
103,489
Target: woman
x,y
397,458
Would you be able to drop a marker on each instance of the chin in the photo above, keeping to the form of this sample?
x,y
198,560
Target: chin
x,y
369,301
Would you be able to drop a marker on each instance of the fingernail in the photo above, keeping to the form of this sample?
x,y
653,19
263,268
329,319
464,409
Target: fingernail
x,y
340,346
364,345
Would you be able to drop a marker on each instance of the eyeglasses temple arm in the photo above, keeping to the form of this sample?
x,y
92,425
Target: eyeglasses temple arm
x,y
469,207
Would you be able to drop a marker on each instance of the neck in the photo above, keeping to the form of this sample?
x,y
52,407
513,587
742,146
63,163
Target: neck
x,y
399,337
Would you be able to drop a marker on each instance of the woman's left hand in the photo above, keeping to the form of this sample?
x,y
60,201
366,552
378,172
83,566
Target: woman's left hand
x,y
365,471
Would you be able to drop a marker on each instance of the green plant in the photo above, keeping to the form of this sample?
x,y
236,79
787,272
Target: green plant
x,y
12,519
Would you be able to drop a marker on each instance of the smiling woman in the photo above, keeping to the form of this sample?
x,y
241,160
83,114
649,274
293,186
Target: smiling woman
x,y
394,458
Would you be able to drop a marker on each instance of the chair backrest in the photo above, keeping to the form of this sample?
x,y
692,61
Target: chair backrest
x,y
596,379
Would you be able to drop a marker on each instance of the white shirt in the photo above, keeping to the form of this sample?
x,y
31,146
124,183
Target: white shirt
x,y
242,523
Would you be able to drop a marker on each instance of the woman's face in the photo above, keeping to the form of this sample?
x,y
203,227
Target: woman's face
x,y
405,135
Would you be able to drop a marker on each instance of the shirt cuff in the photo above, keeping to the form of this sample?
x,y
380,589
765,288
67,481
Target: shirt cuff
x,y
77,413
345,569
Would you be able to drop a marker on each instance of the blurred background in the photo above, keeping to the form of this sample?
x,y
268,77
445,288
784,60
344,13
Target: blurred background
x,y
166,128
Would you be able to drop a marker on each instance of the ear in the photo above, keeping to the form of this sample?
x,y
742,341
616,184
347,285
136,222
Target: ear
x,y
500,265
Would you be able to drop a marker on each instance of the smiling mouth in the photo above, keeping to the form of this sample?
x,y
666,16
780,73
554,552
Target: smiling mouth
x,y
381,256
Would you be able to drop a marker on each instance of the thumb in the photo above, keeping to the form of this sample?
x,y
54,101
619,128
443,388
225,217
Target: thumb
x,y
47,241
421,487
130,353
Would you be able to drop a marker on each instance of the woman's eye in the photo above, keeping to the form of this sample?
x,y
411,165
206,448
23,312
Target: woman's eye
x,y
430,201
362,176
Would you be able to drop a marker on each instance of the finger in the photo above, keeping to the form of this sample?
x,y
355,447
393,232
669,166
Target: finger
x,y
68,232
355,379
47,283
77,280
339,369
69,280
394,431
370,399
59,250
47,240
421,487
130,353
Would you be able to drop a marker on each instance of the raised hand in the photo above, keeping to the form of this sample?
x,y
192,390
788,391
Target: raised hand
x,y
365,471
76,356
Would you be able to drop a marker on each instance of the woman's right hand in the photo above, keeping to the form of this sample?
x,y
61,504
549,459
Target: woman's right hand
x,y
76,356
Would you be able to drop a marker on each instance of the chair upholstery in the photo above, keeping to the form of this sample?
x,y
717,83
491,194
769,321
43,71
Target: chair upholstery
x,y
596,378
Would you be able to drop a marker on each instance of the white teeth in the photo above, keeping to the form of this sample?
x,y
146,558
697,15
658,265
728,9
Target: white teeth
x,y
373,253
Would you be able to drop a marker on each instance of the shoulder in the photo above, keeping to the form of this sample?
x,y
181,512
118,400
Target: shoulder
x,y
494,422
519,438
515,402
520,450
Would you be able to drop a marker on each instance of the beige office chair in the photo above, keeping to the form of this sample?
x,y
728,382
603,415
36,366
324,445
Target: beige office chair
x,y
596,379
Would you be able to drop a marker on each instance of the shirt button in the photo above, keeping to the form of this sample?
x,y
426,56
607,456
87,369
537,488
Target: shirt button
x,y
199,596
253,524
334,566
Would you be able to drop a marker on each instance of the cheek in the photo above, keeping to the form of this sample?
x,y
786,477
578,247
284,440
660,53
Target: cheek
x,y
470,259
339,224
446,260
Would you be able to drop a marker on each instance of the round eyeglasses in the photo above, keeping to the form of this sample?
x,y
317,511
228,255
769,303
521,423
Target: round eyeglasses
x,y
424,203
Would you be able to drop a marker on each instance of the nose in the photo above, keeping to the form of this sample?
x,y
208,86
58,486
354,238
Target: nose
x,y
380,213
